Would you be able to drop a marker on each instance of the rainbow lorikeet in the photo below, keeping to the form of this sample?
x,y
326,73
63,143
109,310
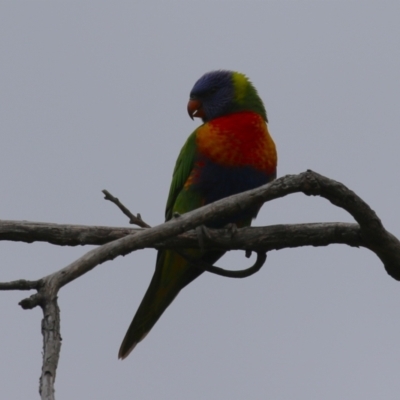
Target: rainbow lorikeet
x,y
230,152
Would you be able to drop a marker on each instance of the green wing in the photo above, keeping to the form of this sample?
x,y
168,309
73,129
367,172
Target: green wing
x,y
172,271
183,167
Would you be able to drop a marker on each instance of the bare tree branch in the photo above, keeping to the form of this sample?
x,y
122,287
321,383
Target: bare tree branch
x,y
61,234
371,235
178,234
273,237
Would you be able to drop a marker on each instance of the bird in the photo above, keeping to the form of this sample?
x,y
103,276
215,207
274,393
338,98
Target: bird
x,y
230,152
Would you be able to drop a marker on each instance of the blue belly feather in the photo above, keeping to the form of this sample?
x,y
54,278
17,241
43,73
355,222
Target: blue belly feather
x,y
215,181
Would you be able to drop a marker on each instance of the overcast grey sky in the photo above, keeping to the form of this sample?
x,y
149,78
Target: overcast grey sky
x,y
93,96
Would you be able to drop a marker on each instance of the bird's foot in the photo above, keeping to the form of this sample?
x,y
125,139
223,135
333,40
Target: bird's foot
x,y
202,235
232,228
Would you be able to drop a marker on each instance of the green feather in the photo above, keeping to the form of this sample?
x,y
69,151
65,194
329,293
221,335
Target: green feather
x,y
183,167
246,96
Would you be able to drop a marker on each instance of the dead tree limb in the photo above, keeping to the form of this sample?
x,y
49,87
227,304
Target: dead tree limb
x,y
177,233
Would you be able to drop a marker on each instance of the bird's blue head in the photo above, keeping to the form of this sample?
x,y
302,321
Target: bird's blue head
x,y
222,92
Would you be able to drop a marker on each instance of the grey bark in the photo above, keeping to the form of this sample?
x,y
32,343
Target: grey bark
x,y
178,233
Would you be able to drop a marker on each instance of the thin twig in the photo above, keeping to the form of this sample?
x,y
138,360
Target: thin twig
x,y
133,219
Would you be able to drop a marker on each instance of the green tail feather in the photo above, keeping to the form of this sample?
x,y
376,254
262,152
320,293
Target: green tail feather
x,y
172,274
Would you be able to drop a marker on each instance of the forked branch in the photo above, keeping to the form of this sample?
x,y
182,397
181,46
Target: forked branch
x,y
178,234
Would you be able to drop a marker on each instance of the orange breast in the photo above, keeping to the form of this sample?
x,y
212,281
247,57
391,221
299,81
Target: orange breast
x,y
239,139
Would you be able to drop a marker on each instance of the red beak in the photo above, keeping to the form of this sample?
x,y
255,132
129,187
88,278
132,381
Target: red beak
x,y
195,109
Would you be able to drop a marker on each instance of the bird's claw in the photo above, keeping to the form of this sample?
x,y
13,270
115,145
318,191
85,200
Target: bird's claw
x,y
202,234
232,228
